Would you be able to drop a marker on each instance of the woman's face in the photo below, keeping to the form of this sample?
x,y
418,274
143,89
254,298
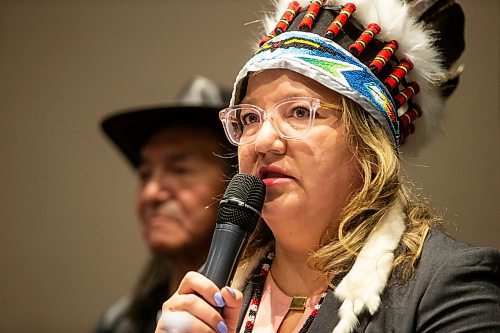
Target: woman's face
x,y
309,180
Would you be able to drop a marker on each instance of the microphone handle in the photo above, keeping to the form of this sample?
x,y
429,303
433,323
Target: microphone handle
x,y
226,248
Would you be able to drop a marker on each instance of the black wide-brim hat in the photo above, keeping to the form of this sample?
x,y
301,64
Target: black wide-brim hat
x,y
198,106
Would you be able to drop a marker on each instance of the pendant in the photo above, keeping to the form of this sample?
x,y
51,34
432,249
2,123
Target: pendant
x,y
298,303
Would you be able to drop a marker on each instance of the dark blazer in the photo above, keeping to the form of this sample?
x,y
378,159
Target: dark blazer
x,y
455,288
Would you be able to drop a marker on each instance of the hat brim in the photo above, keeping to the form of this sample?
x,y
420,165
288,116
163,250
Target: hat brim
x,y
131,129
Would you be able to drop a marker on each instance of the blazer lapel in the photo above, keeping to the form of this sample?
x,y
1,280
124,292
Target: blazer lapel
x,y
327,317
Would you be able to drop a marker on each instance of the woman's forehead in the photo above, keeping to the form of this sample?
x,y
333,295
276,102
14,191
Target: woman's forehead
x,y
288,82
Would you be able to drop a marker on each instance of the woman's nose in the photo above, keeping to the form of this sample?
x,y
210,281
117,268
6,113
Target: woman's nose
x,y
269,140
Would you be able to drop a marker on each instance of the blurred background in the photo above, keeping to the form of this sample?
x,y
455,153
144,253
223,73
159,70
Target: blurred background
x,y
69,243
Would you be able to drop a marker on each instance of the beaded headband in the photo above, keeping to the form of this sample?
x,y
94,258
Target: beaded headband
x,y
371,51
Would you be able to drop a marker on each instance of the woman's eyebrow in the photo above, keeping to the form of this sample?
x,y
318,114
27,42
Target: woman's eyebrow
x,y
247,101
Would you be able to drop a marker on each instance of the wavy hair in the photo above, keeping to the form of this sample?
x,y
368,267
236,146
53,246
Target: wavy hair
x,y
383,184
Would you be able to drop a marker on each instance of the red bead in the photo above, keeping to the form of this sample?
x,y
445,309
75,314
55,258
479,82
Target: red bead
x,y
366,37
267,38
383,56
312,12
410,116
407,93
287,17
406,131
398,74
339,21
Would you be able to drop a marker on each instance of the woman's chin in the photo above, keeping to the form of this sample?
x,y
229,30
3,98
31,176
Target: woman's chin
x,y
282,206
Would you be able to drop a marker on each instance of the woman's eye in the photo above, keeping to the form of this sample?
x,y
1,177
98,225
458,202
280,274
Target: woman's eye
x,y
249,118
300,112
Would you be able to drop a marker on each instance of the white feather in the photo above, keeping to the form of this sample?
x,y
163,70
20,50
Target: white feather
x,y
361,288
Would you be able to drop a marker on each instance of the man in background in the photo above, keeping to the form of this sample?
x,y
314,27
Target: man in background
x,y
183,161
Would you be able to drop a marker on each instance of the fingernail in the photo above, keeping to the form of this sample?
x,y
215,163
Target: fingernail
x,y
231,290
219,301
221,327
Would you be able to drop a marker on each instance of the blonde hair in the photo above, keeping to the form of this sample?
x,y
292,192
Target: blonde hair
x,y
383,184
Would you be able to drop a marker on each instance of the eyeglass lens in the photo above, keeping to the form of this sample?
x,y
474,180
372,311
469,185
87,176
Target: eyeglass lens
x,y
291,119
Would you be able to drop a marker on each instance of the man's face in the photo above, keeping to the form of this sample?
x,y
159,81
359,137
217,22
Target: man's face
x,y
180,182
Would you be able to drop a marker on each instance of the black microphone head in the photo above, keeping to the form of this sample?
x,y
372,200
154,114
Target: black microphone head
x,y
242,202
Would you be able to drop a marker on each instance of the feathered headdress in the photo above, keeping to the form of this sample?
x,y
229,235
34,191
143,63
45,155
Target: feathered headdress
x,y
382,54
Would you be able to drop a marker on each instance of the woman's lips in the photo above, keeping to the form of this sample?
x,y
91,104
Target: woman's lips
x,y
270,182
273,176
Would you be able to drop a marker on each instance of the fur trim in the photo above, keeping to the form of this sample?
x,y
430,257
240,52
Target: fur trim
x,y
416,43
361,288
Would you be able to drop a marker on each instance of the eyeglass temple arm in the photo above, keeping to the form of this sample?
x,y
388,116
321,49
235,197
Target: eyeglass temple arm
x,y
328,105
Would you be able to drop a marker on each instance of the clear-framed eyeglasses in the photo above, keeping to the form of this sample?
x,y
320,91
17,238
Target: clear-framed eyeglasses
x,y
292,118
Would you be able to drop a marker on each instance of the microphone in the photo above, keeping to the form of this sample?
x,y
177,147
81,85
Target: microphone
x,y
239,212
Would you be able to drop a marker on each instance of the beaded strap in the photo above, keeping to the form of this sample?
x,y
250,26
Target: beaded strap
x,y
260,280
313,314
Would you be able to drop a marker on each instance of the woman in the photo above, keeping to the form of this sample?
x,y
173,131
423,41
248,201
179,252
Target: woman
x,y
342,245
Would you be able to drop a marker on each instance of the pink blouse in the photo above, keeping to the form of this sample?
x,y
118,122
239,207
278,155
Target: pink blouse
x,y
273,308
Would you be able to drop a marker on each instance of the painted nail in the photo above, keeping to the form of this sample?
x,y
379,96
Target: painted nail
x,y
219,301
221,327
231,290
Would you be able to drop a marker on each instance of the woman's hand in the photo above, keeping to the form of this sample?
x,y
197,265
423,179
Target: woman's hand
x,y
192,307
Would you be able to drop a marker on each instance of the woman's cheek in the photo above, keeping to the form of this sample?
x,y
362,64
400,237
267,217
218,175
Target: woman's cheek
x,y
244,160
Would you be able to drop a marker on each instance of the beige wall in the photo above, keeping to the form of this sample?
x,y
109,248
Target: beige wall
x,y
69,244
